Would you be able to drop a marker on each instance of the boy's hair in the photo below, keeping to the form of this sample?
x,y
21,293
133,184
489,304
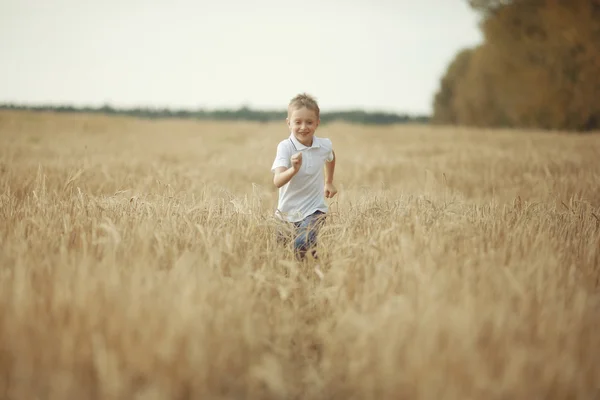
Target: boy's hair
x,y
304,100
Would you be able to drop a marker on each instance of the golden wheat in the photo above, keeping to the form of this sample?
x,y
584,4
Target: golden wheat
x,y
138,262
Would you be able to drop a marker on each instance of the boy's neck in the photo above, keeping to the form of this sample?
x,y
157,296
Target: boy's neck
x,y
305,144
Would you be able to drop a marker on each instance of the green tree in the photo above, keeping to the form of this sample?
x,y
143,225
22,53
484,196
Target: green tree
x,y
444,102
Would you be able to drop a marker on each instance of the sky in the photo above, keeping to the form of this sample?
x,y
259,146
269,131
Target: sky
x,y
375,55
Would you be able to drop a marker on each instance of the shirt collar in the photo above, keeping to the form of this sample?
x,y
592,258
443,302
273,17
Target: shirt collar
x,y
299,146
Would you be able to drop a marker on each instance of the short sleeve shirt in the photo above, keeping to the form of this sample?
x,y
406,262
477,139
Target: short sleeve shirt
x,y
304,193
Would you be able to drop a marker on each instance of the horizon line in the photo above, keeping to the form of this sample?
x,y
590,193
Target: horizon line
x,y
107,105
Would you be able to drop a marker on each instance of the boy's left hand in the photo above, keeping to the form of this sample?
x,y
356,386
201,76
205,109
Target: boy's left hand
x,y
330,190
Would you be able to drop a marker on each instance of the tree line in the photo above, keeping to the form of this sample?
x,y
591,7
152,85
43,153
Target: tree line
x,y
538,67
240,114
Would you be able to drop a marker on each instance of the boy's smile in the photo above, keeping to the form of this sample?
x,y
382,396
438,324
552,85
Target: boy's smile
x,y
303,123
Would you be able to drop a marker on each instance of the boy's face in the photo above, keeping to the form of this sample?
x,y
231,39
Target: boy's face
x,y
303,123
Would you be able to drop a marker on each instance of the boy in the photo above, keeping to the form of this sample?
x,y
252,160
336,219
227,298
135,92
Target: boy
x,y
298,174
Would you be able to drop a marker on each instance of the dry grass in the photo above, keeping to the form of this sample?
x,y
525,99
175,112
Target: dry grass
x,y
137,261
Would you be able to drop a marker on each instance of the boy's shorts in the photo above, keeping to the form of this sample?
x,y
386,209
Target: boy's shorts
x,y
288,231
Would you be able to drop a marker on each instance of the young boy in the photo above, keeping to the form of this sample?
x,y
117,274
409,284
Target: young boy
x,y
298,174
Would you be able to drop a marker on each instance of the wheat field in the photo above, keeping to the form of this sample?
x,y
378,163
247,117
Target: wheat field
x,y
138,261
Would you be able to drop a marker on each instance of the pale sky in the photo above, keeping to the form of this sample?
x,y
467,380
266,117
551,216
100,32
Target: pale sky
x,y
376,55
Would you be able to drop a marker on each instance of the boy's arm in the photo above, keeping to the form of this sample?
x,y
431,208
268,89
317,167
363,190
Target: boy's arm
x,y
330,189
330,169
283,175
283,166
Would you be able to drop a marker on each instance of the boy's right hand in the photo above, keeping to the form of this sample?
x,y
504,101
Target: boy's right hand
x,y
296,161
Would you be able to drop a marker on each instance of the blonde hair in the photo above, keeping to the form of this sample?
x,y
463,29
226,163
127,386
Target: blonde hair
x,y
304,100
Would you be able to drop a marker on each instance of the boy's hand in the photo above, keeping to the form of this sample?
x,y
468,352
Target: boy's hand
x,y
330,190
296,161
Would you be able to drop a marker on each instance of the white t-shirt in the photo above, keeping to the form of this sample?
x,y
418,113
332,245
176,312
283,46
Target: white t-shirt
x,y
304,193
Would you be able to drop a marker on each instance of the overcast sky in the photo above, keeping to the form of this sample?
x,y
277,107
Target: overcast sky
x,y
372,54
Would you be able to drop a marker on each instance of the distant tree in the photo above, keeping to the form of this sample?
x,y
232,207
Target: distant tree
x,y
242,114
538,66
444,102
